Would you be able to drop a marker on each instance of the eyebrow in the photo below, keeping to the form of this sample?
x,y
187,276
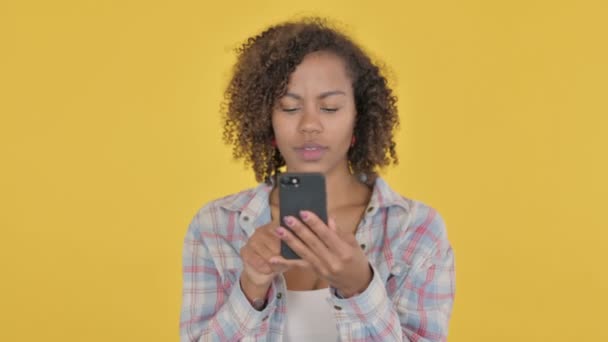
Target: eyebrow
x,y
321,96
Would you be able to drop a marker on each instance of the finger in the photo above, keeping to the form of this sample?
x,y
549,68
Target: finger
x,y
308,236
342,235
343,239
341,243
329,233
258,263
272,242
300,248
261,248
268,248
273,249
279,261
332,224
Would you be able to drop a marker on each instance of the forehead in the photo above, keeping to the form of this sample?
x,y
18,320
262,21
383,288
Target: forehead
x,y
320,71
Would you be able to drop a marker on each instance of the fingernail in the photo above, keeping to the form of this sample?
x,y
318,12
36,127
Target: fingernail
x,y
289,221
304,215
280,231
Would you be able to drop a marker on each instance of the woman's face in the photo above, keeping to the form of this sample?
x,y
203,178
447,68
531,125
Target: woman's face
x,y
313,123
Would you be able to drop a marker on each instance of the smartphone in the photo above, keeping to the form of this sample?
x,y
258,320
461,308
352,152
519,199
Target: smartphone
x,y
301,191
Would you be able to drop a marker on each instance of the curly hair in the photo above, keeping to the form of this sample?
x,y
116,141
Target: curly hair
x,y
260,77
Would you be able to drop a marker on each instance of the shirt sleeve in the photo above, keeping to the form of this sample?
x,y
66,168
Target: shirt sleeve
x,y
415,303
213,310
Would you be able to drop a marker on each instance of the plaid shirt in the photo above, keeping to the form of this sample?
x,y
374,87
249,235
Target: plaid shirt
x,y
409,298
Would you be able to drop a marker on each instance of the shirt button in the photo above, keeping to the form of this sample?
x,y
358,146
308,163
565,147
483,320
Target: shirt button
x,y
370,209
337,307
363,246
246,218
279,295
265,318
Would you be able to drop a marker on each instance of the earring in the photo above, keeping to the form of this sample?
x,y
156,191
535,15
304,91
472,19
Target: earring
x,y
273,142
352,141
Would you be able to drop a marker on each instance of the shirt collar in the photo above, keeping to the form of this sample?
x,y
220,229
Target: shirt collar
x,y
255,211
252,207
383,196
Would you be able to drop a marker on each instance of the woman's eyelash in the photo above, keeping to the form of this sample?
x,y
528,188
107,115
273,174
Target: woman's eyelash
x,y
325,109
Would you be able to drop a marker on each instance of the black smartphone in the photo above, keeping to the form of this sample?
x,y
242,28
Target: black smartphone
x,y
301,191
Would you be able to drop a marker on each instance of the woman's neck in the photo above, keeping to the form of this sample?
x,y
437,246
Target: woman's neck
x,y
345,189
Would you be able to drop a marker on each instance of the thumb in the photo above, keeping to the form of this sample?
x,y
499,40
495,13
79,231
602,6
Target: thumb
x,y
331,223
284,264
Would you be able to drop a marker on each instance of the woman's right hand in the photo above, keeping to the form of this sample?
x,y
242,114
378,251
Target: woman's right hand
x,y
258,272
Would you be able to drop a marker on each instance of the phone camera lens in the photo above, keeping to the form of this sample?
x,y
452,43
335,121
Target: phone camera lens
x,y
285,180
295,181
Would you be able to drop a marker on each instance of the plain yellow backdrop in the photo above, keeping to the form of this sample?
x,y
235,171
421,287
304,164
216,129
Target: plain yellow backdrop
x,y
111,139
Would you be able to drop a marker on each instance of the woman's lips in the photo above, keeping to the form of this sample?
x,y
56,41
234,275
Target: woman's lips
x,y
311,152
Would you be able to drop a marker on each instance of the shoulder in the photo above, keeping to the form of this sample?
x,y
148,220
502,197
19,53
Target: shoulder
x,y
418,216
418,228
426,223
216,214
423,236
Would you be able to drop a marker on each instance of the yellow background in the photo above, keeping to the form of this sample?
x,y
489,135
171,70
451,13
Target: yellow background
x,y
110,140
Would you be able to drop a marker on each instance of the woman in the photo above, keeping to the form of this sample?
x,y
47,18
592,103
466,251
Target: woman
x,y
305,97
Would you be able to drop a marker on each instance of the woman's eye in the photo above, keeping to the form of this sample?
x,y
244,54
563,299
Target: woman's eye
x,y
330,110
290,110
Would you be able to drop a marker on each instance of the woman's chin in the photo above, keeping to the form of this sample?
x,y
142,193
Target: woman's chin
x,y
307,168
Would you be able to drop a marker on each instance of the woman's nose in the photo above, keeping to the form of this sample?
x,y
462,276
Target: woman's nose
x,y
310,122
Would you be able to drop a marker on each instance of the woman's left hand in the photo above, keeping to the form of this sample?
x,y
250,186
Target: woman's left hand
x,y
334,255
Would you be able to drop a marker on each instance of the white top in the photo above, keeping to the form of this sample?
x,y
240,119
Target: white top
x,y
310,317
